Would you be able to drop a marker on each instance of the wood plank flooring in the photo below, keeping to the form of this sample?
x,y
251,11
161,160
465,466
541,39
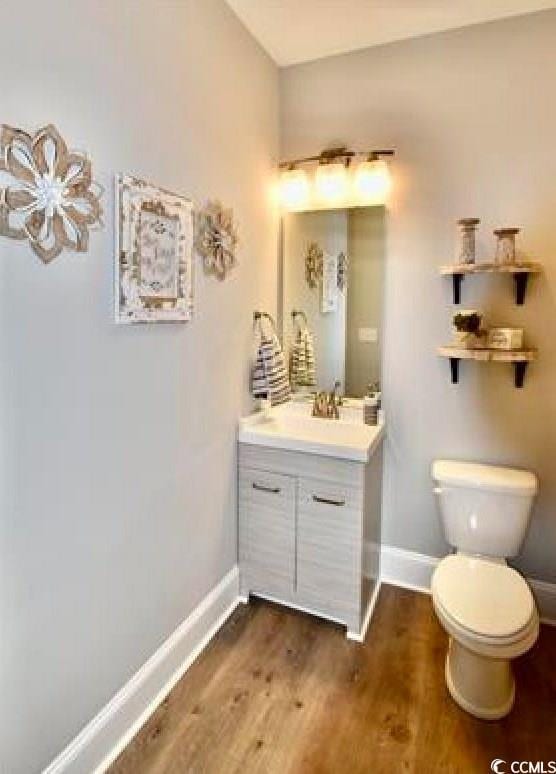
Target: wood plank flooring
x,y
282,692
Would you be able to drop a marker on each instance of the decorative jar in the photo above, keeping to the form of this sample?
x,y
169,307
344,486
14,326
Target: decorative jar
x,y
505,247
466,252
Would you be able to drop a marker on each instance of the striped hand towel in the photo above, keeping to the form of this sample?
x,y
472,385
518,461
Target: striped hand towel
x,y
302,360
270,378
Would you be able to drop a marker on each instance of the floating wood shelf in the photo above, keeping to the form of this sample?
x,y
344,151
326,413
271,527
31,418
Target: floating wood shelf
x,y
519,271
520,358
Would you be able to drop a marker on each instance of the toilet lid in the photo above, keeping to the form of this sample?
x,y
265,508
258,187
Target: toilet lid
x,y
485,597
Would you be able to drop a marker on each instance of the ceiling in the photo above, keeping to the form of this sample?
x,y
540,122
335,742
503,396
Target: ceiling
x,y
294,31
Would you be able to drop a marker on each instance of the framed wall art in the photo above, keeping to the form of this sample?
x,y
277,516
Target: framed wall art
x,y
154,241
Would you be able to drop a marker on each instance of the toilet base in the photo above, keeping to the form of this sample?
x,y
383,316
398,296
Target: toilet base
x,y
482,686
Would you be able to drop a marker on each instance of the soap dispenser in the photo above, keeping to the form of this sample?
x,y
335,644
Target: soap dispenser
x,y
371,404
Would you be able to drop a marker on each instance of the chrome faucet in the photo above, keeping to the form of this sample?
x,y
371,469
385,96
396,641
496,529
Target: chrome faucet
x,y
326,404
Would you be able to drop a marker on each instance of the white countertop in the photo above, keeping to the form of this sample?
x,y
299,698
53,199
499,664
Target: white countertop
x,y
291,427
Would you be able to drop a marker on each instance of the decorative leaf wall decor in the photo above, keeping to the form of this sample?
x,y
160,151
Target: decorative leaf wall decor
x,y
343,269
216,238
47,196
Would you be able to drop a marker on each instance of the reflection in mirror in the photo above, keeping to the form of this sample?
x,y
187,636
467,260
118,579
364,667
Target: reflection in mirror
x,y
332,287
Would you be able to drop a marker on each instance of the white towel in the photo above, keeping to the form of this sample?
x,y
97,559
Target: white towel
x,y
269,377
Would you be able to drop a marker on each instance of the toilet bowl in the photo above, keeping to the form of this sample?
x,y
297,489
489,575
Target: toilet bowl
x,y
489,613
485,606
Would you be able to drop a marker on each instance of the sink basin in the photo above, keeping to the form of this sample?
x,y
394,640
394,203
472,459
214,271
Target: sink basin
x,y
288,427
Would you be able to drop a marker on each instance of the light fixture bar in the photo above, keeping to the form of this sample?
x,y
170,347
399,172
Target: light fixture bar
x,y
334,154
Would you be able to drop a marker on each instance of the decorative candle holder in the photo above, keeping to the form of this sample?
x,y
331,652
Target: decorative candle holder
x,y
467,245
505,247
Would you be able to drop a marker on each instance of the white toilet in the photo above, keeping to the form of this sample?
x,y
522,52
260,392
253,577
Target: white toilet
x,y
485,606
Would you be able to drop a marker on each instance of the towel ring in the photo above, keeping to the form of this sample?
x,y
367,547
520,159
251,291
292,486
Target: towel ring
x,y
299,313
259,316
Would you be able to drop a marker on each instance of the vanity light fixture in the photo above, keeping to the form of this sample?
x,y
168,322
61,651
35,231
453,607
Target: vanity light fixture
x,y
372,181
294,188
336,182
331,183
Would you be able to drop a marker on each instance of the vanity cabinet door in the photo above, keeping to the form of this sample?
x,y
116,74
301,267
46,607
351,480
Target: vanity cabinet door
x,y
267,532
329,525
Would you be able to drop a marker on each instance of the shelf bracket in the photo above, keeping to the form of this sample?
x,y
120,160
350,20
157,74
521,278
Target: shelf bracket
x,y
520,280
456,282
519,373
454,369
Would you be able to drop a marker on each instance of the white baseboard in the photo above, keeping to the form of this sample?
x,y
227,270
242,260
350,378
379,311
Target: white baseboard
x,y
360,636
412,570
545,595
406,568
108,733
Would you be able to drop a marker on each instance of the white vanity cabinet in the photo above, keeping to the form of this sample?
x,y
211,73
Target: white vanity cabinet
x,y
267,529
306,523
329,548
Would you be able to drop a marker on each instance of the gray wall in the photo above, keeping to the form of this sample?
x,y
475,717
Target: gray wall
x,y
472,117
117,471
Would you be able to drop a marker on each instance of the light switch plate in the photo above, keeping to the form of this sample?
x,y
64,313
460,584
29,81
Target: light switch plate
x,y
368,335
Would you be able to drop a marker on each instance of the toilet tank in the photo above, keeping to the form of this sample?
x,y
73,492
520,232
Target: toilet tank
x,y
484,509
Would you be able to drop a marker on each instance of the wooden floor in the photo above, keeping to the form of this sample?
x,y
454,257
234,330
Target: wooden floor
x,y
279,691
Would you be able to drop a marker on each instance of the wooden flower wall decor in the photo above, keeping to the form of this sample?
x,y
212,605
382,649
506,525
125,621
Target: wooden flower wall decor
x,y
47,195
216,239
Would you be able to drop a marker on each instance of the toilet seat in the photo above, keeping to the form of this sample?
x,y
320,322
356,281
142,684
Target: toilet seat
x,y
486,605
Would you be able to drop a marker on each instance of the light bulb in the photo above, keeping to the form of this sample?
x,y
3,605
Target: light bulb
x,y
372,181
331,182
294,189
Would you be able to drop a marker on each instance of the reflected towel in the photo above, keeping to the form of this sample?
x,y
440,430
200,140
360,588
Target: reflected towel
x,y
302,360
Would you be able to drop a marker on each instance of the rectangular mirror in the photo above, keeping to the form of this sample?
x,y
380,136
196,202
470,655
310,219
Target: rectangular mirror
x,y
332,272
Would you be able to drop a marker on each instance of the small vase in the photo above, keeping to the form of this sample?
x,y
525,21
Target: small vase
x,y
474,336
